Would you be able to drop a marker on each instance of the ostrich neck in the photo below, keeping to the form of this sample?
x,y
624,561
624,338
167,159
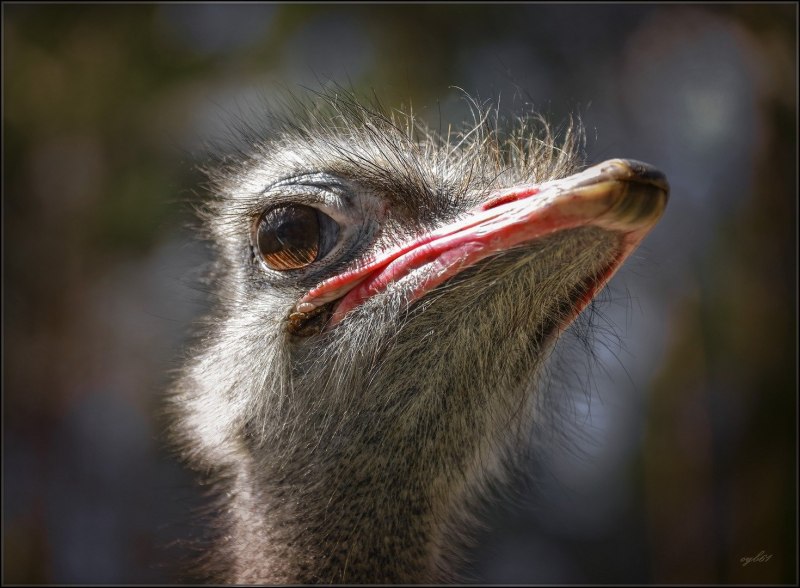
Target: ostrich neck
x,y
375,513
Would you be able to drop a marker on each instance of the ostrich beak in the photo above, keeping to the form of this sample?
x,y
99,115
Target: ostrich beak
x,y
623,196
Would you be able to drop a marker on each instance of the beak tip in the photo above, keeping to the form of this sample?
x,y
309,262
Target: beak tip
x,y
633,170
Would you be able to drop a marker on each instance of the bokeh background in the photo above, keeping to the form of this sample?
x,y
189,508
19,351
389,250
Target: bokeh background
x,y
678,456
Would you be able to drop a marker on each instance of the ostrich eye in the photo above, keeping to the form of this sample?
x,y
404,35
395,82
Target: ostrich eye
x,y
294,236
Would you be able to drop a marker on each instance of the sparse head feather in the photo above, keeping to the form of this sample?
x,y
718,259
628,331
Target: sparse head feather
x,y
428,175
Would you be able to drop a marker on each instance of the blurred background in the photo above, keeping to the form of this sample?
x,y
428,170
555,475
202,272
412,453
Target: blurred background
x,y
678,455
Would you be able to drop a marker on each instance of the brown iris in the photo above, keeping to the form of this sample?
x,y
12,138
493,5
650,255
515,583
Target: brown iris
x,y
291,237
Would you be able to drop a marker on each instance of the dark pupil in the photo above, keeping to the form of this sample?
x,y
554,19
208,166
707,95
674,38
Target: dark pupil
x,y
288,237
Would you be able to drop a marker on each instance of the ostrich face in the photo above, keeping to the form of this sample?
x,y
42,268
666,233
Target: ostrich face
x,y
335,245
386,301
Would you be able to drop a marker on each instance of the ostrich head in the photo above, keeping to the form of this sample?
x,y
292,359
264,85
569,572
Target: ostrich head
x,y
386,299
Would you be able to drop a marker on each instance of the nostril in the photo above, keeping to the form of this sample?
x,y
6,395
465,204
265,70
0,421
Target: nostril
x,y
509,196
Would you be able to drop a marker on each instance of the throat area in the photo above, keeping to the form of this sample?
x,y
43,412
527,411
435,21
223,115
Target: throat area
x,y
355,523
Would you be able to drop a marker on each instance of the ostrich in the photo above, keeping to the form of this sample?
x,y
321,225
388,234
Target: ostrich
x,y
387,297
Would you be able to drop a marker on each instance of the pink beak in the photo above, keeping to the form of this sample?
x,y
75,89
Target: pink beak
x,y
624,196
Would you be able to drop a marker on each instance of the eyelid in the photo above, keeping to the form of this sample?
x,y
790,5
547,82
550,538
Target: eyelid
x,y
330,196
320,181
